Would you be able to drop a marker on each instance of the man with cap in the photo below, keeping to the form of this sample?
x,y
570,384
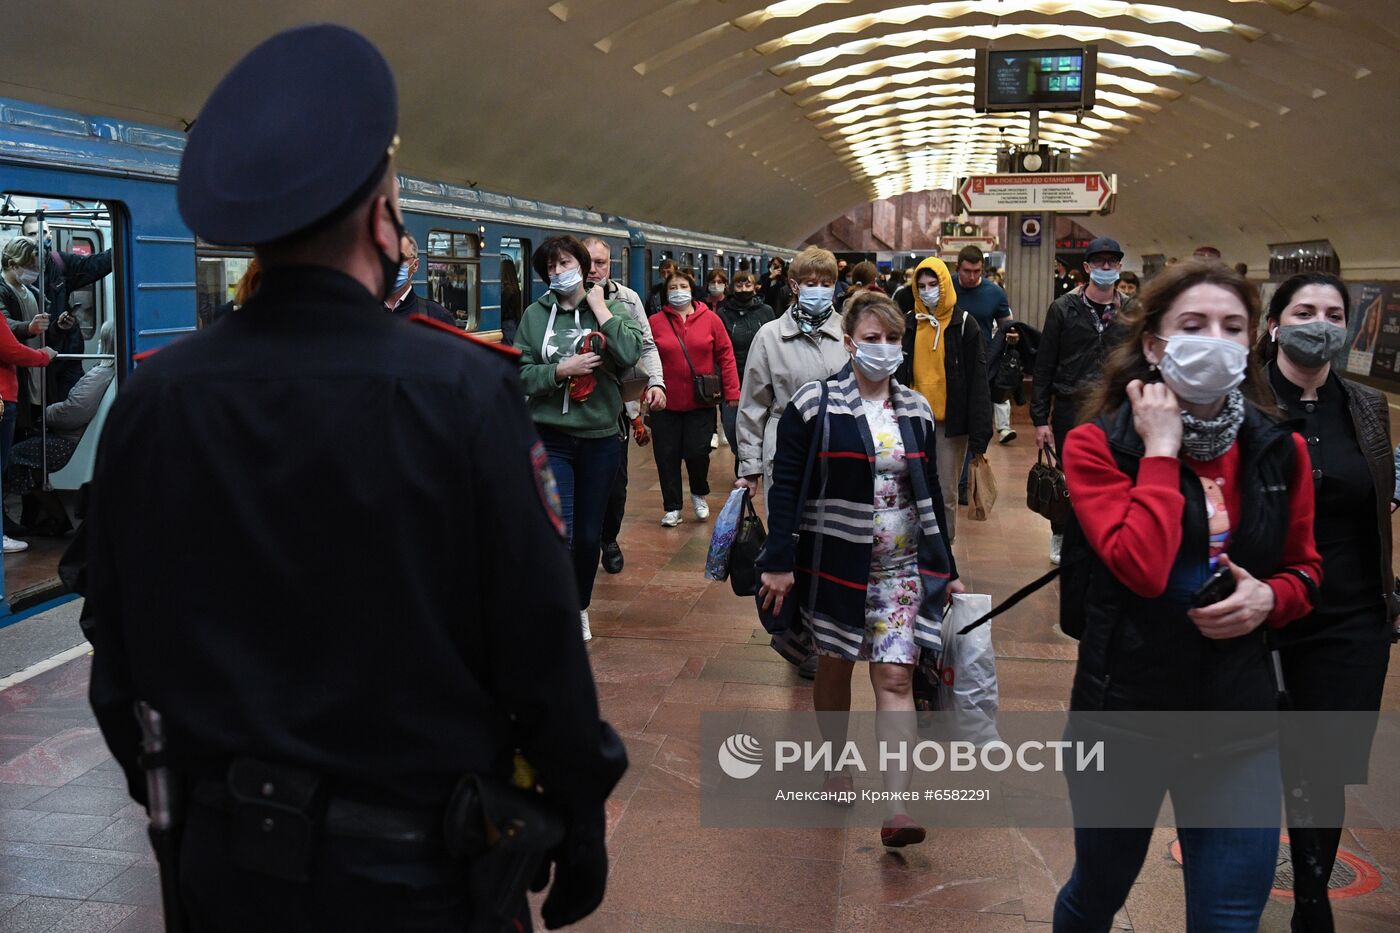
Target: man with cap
x,y
1080,329
263,571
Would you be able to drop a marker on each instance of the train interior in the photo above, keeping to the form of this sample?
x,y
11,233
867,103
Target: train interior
x,y
82,228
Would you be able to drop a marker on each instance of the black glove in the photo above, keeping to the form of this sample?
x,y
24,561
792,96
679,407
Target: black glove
x,y
580,874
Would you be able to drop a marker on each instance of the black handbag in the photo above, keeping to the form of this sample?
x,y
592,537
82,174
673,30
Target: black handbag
x,y
775,623
708,388
743,553
1046,492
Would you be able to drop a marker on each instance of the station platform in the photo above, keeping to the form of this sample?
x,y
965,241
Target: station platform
x,y
667,646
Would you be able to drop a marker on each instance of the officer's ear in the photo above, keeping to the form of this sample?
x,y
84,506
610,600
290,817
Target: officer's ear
x,y
385,227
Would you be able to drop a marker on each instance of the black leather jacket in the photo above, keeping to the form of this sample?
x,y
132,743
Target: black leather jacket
x,y
1071,352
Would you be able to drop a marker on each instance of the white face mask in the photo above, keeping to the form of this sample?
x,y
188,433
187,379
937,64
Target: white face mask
x,y
678,299
717,288
878,361
566,283
28,276
1200,369
930,297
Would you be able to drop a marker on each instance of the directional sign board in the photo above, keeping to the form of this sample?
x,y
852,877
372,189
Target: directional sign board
x,y
1088,193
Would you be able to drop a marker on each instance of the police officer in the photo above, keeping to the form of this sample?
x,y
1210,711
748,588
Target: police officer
x,y
323,542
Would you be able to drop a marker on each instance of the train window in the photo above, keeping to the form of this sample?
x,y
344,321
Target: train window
x,y
454,275
217,275
515,272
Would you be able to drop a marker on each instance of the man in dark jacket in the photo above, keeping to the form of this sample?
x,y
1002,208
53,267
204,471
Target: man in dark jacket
x,y
1080,328
657,296
404,301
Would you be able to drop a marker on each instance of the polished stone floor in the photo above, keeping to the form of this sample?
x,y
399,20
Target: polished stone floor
x,y
668,645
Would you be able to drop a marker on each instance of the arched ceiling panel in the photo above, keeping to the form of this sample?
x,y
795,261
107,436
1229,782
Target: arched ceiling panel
x,y
1228,121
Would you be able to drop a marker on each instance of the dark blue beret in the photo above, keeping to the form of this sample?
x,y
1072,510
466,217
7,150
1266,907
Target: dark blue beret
x,y
303,123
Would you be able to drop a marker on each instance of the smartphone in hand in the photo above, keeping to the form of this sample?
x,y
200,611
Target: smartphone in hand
x,y
1218,586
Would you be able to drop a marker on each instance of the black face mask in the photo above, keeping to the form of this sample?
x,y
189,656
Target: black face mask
x,y
389,268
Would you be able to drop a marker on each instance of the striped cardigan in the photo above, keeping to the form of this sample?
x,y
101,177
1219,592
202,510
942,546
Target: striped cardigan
x,y
830,552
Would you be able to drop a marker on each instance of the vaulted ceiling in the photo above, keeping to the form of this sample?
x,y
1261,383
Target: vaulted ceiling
x,y
1230,122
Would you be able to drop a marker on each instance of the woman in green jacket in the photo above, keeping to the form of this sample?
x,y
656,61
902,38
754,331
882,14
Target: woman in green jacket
x,y
573,344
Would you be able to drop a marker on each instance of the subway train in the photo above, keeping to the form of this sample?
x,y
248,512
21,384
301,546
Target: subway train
x,y
103,183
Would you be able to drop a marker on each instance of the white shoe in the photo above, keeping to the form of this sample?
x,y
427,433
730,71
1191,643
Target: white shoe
x,y
587,633
1056,542
671,519
714,441
14,545
702,509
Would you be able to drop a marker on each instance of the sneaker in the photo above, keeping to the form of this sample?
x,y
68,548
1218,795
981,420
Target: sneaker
x,y
612,557
714,441
587,632
14,545
671,519
702,509
1008,436
1056,542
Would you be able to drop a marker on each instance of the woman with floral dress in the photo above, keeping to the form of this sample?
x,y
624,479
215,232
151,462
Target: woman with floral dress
x,y
875,571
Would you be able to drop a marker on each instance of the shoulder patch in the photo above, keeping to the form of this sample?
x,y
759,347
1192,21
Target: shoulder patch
x,y
548,488
145,354
509,352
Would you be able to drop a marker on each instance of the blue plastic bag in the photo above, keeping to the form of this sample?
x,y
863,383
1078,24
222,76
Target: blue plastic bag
x,y
717,561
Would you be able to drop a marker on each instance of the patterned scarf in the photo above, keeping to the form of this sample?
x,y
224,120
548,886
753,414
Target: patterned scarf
x,y
1206,439
808,322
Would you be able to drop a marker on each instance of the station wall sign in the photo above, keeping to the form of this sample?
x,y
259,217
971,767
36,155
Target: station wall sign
x,y
1086,193
1030,230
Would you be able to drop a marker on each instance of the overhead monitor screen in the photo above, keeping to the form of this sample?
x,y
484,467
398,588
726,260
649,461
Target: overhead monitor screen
x,y
1036,79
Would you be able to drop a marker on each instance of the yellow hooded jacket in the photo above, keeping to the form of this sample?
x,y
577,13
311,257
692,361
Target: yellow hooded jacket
x,y
930,374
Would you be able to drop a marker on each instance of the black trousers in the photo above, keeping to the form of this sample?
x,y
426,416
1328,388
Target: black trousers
x,y
355,885
682,436
617,499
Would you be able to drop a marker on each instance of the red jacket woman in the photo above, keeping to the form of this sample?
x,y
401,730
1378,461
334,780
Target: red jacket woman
x,y
691,341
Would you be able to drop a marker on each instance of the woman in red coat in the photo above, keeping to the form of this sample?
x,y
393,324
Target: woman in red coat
x,y
683,430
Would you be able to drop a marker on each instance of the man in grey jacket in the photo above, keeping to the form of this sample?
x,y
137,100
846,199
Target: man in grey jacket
x,y
600,272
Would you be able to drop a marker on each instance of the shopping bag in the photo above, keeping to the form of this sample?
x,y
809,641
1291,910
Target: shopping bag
x,y
717,561
961,680
743,554
981,489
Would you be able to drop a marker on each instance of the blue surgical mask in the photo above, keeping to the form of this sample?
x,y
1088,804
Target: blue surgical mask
x,y
402,279
1103,278
815,298
566,283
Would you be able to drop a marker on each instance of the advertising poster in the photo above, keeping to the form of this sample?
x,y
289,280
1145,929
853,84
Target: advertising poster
x,y
1385,363
1368,301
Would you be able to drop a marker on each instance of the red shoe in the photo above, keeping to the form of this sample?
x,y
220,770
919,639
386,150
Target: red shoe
x,y
900,831
838,783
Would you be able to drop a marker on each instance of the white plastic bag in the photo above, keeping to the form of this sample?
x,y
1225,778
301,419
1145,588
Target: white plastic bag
x,y
717,561
968,682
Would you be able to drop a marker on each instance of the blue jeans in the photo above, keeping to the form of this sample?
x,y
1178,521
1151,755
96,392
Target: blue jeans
x,y
1229,872
585,469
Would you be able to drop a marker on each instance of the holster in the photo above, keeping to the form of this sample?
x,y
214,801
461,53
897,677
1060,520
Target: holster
x,y
277,814
504,834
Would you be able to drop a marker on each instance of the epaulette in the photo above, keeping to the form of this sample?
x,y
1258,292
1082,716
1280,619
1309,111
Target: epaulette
x,y
145,354
509,352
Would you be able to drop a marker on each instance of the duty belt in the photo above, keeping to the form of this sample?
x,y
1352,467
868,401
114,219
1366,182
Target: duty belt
x,y
348,818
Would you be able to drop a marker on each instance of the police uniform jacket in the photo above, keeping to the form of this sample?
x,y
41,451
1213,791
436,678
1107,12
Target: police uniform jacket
x,y
323,536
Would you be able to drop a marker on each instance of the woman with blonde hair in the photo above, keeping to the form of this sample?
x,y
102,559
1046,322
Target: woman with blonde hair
x,y
875,567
